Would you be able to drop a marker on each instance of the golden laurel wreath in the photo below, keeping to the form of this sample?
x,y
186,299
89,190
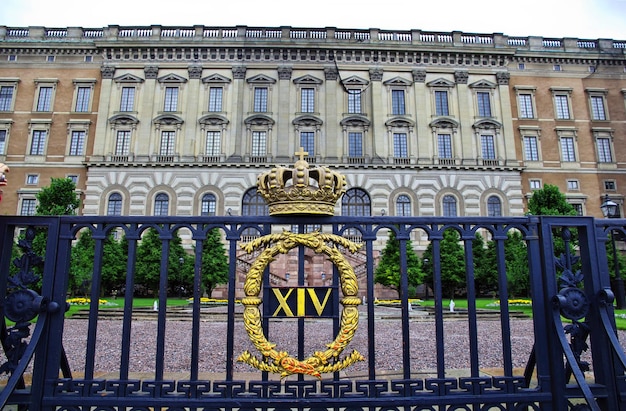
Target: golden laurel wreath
x,y
280,362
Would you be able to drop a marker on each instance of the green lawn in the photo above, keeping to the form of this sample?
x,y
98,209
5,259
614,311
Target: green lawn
x,y
119,303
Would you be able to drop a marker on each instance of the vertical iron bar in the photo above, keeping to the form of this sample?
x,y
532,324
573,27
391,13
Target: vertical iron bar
x,y
232,236
96,278
301,283
467,238
404,300
195,320
439,334
371,343
132,236
503,292
159,366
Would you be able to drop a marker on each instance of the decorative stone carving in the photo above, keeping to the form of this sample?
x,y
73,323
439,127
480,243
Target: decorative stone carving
x,y
330,73
284,73
107,72
503,78
419,75
376,74
151,72
461,77
239,72
195,72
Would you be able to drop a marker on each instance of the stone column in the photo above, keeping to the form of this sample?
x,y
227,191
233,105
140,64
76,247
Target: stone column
x,y
191,141
283,145
147,111
236,147
104,140
464,139
331,141
422,104
379,147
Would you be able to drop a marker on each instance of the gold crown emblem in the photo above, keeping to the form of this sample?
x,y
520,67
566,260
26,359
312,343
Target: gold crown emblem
x,y
301,189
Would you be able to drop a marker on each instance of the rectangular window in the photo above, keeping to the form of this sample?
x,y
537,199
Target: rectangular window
x,y
259,141
127,103
484,104
444,145
122,143
597,108
561,104
29,206
307,103
488,147
307,142
168,140
535,184
572,185
397,102
38,143
32,179
579,208
171,99
354,101
215,99
77,143
400,149
6,98
531,152
73,177
567,149
525,102
609,185
3,141
213,143
604,150
44,101
441,103
260,99
83,95
355,144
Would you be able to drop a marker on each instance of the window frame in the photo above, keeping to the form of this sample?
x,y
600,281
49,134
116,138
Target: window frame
x,y
562,100
128,99
171,96
78,140
115,205
494,206
212,143
598,108
403,206
208,204
161,204
80,104
355,101
449,203
38,142
123,139
260,102
605,151
258,143
531,150
442,105
483,104
29,205
567,146
4,140
488,149
167,143
445,148
355,144
525,99
400,145
8,104
398,102
307,100
307,141
216,99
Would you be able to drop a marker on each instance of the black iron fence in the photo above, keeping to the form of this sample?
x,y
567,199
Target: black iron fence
x,y
274,345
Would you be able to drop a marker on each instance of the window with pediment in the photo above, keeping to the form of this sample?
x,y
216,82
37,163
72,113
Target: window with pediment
x,y
398,88
171,85
525,101
261,86
597,104
483,94
355,88
83,94
77,138
441,90
567,144
604,145
307,89
45,94
562,102
127,87
8,91
215,86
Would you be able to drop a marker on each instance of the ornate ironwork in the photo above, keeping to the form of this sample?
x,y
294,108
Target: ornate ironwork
x,y
282,363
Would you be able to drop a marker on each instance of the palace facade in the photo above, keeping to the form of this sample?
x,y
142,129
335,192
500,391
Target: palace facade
x,y
181,120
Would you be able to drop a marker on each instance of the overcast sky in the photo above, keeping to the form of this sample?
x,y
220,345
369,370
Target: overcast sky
x,y
585,19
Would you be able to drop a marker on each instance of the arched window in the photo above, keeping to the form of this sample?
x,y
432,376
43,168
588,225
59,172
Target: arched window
x,y
208,205
494,207
253,204
449,206
114,207
161,204
355,203
403,206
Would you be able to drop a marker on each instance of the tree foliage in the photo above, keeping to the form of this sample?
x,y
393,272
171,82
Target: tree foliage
x,y
516,260
388,270
549,201
148,266
214,262
59,198
452,261
81,266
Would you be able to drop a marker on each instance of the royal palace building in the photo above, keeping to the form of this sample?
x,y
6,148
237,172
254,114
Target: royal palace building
x,y
181,120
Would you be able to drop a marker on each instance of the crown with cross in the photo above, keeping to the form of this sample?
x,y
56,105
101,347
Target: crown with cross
x,y
301,189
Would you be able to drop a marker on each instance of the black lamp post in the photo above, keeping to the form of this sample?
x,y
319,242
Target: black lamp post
x,y
610,209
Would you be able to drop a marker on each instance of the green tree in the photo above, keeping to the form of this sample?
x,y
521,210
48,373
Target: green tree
x,y
149,263
516,260
485,265
214,262
59,198
549,201
388,270
452,261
